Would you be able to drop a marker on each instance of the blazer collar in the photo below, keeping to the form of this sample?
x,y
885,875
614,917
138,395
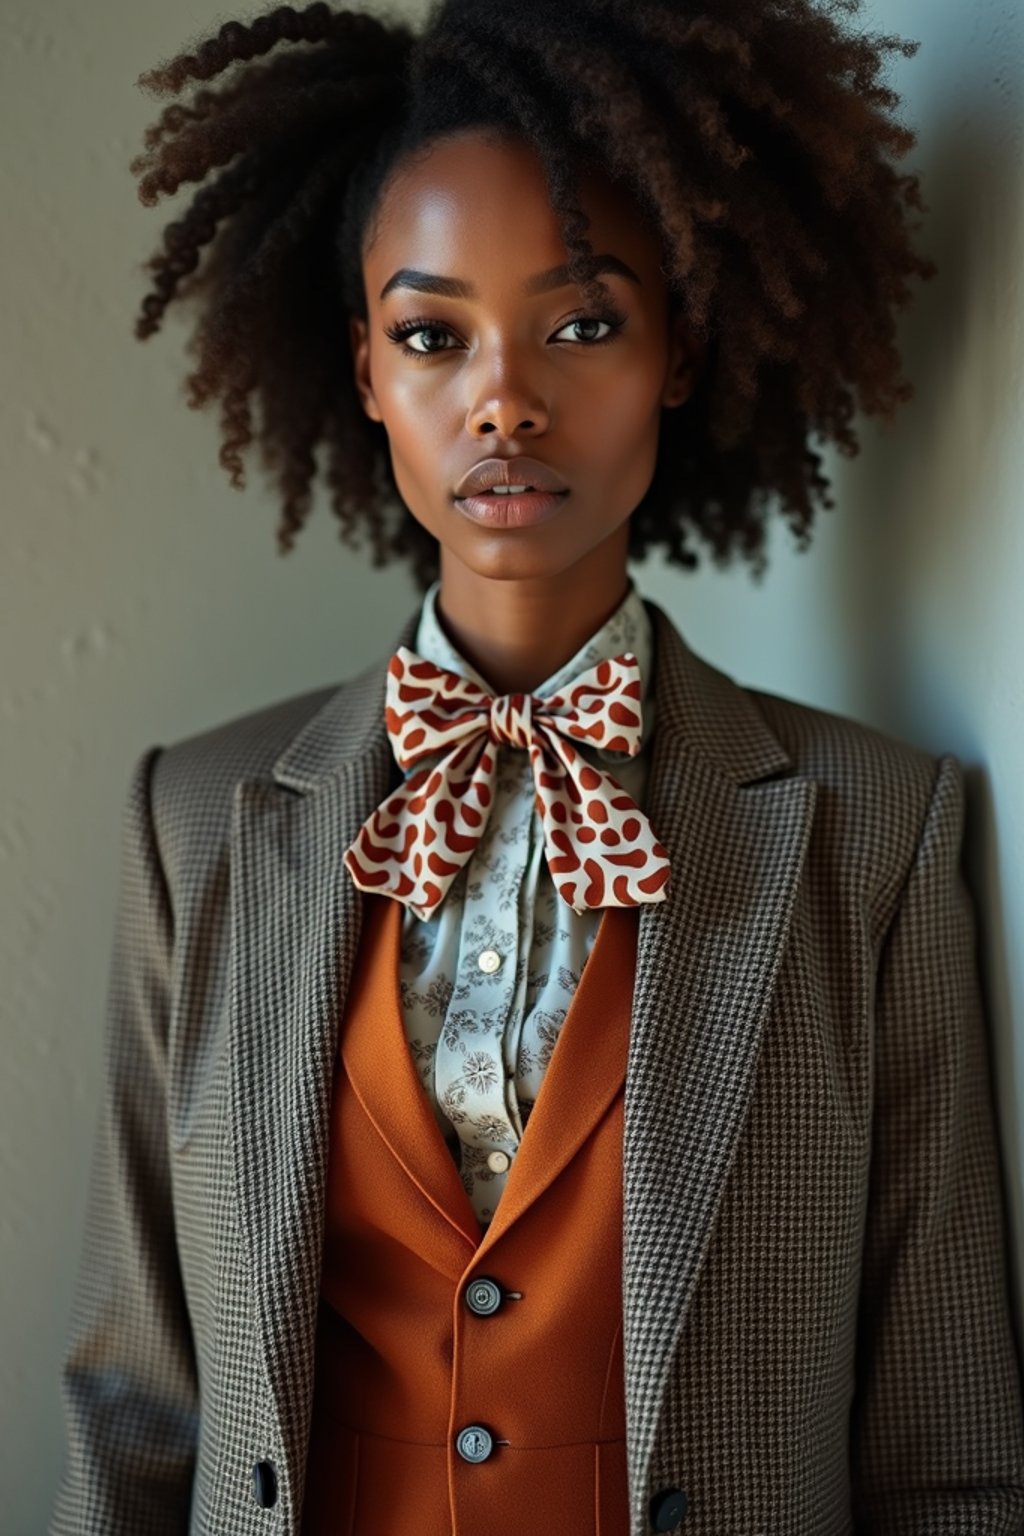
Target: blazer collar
x,y
696,704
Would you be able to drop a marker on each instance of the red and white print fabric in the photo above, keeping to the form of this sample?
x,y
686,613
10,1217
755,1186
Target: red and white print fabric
x,y
600,848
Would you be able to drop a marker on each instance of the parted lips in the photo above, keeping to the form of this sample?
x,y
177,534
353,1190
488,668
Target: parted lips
x,y
600,847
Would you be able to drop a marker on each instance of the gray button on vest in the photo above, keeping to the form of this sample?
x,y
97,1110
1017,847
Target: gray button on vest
x,y
483,1296
474,1443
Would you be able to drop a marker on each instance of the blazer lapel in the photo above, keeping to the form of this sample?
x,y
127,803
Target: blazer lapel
x,y
707,957
295,925
736,836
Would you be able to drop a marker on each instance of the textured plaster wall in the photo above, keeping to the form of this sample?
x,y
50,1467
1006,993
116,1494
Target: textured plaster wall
x,y
141,599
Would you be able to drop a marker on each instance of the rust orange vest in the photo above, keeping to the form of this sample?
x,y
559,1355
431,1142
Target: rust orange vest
x,y
470,1381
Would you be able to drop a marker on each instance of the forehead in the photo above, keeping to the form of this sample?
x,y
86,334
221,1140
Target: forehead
x,y
476,204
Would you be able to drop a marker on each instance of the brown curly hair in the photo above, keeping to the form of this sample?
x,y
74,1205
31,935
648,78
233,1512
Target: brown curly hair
x,y
754,137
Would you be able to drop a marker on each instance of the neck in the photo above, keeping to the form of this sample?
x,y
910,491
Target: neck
x,y
517,633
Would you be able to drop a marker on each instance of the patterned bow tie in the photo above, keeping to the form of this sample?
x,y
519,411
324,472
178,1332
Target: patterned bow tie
x,y
600,847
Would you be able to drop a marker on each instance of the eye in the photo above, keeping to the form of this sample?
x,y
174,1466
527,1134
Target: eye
x,y
399,333
614,322
423,325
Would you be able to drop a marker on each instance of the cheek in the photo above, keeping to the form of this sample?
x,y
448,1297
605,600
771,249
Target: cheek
x,y
403,394
623,392
623,434
616,423
415,419
620,413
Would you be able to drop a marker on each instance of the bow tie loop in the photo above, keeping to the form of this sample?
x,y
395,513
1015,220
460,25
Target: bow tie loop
x,y
601,849
511,719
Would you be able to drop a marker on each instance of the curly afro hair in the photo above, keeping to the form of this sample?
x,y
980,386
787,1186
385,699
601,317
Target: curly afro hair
x,y
756,138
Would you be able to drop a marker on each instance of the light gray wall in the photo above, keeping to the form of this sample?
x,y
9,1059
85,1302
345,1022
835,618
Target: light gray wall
x,y
142,600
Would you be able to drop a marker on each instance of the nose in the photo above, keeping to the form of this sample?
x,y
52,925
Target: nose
x,y
506,404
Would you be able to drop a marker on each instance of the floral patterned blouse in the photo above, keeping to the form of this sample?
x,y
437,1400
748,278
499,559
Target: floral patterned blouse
x,y
486,981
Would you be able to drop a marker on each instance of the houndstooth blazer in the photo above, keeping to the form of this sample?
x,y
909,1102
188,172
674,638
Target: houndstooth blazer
x,y
819,1335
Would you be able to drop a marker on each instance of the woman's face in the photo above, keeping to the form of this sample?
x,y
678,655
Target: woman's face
x,y
499,367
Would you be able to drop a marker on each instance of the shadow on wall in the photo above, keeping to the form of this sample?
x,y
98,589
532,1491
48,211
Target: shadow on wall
x,y
926,539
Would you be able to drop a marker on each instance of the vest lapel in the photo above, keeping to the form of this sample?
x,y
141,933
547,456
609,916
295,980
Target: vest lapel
x,y
380,1066
706,963
585,1073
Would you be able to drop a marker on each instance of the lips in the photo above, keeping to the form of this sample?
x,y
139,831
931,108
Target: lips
x,y
522,471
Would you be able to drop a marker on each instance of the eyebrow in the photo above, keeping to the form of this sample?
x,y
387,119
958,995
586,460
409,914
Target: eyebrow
x,y
543,282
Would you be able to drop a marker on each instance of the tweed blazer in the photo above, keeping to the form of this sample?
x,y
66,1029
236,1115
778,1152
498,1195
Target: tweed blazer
x,y
818,1331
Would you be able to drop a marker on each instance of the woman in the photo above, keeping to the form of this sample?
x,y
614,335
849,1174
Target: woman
x,y
546,1080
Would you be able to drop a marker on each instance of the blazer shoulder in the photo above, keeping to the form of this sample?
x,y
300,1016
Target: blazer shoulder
x,y
194,778
843,752
875,788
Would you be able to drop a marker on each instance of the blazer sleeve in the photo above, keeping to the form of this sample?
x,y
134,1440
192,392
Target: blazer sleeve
x,y
128,1379
937,1423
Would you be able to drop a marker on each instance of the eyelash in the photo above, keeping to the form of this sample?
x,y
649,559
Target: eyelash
x,y
398,333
